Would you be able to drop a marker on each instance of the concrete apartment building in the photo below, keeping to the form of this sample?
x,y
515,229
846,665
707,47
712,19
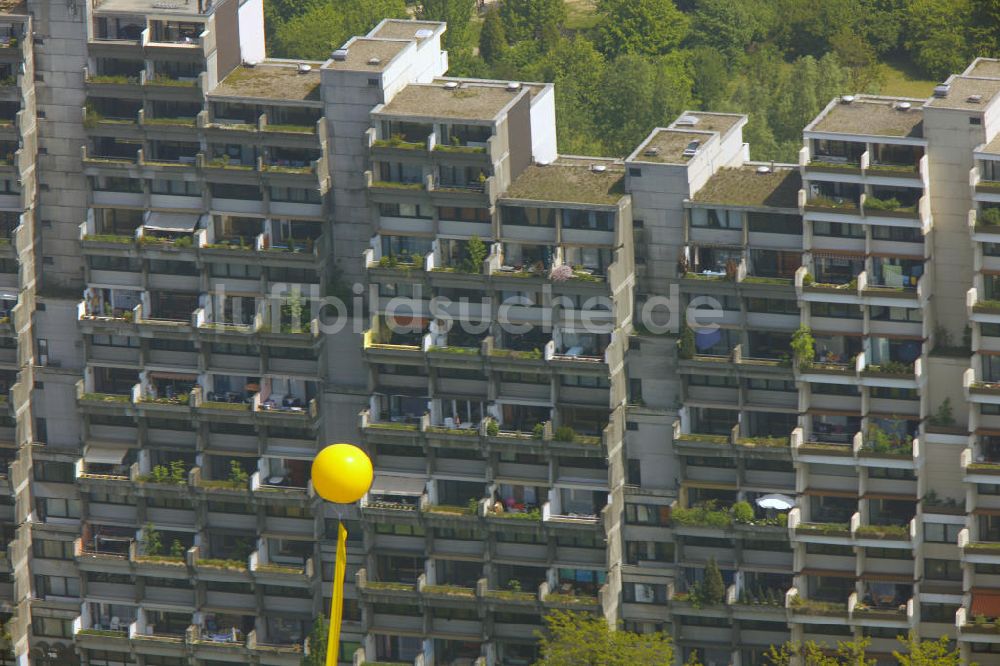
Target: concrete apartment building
x,y
175,205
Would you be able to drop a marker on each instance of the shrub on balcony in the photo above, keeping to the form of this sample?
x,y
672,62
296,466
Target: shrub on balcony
x,y
943,417
892,203
492,428
990,216
685,346
538,431
477,255
803,346
564,434
742,512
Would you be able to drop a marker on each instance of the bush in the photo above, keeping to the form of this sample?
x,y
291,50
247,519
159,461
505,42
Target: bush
x,y
943,416
477,255
803,345
742,512
990,216
152,544
808,280
892,203
538,431
713,589
492,428
564,434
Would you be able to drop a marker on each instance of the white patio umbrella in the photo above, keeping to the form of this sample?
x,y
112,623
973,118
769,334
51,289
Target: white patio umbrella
x,y
775,501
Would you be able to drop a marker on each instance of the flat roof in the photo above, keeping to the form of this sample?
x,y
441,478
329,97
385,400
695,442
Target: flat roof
x,y
402,29
961,89
466,102
744,186
270,80
710,122
873,117
368,55
570,181
984,67
669,145
993,147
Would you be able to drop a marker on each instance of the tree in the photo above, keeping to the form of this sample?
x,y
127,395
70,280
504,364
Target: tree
x,y
730,28
581,639
928,653
457,14
537,20
711,80
638,94
311,35
645,27
317,643
477,255
936,35
848,653
492,38
713,590
152,544
854,653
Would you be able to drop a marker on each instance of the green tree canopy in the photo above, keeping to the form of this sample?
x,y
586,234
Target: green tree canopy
x,y
537,20
644,27
492,38
581,639
936,35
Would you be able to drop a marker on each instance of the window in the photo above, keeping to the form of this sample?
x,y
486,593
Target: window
x,y
644,593
836,310
57,586
773,306
942,569
635,172
941,532
898,234
938,612
52,626
176,187
405,210
54,507
883,313
720,381
716,218
115,341
975,120
54,472
647,514
838,229
106,658
768,223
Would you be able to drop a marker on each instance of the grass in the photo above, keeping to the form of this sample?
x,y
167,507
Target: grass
x,y
231,406
297,129
238,565
581,15
106,397
103,632
109,238
389,585
902,79
161,559
884,531
450,590
185,122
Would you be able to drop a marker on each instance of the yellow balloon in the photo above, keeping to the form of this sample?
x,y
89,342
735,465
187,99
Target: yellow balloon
x,y
342,473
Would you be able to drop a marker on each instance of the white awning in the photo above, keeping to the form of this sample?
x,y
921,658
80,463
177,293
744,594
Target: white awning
x,y
104,455
388,484
179,222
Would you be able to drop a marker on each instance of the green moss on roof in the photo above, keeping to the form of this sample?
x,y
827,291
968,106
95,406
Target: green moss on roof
x,y
568,184
745,187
